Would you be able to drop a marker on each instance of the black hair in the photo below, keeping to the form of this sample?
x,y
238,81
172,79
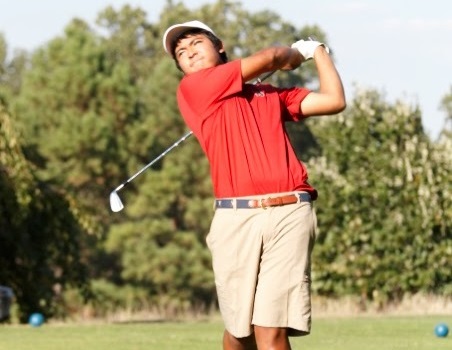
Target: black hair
x,y
215,41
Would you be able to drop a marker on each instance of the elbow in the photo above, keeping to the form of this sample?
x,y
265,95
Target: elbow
x,y
335,98
338,104
323,104
341,105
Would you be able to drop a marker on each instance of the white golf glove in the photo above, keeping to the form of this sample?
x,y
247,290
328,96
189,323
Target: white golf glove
x,y
307,47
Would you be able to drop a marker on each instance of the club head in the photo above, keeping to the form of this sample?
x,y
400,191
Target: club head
x,y
115,202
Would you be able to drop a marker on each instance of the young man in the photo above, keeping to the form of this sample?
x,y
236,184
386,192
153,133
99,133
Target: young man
x,y
264,225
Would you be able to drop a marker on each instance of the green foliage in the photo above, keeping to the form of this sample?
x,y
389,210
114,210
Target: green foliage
x,y
74,103
106,299
10,72
446,104
162,243
384,205
40,233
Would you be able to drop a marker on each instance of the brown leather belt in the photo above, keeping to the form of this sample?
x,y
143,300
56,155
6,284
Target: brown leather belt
x,y
239,203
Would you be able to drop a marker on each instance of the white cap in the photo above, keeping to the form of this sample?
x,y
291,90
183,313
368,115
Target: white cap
x,y
175,30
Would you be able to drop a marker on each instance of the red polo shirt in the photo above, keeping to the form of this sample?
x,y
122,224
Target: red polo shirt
x,y
240,127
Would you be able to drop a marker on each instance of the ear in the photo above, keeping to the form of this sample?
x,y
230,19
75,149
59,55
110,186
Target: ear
x,y
222,49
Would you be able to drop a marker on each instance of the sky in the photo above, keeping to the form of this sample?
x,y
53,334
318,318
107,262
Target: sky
x,y
401,48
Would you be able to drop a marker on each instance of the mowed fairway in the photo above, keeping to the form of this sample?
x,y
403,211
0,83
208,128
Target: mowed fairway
x,y
382,333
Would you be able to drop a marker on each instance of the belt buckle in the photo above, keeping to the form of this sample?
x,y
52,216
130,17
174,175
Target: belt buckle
x,y
263,206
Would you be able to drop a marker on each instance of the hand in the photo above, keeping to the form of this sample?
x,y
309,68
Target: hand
x,y
308,47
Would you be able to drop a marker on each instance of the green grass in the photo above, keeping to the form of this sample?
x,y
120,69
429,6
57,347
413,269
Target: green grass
x,y
360,333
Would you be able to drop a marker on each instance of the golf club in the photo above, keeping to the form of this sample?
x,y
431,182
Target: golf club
x,y
115,201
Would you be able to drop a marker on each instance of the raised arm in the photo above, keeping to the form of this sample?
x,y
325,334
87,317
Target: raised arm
x,y
330,98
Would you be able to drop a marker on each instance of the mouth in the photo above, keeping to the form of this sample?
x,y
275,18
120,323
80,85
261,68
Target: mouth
x,y
196,62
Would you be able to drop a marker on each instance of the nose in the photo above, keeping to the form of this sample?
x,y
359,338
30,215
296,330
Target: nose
x,y
192,52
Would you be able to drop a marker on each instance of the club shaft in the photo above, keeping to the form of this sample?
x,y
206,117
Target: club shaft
x,y
174,145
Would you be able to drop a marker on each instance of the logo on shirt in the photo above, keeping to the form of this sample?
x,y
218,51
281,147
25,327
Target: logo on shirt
x,y
259,93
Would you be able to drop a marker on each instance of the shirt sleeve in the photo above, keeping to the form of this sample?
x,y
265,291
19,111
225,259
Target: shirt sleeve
x,y
204,89
291,98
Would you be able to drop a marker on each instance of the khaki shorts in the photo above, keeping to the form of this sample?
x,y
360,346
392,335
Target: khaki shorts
x,y
261,261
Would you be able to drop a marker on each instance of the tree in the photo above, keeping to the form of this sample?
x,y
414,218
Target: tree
x,y
10,71
383,207
40,232
446,106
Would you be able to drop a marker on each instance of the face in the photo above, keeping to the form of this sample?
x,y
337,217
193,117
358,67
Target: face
x,y
196,52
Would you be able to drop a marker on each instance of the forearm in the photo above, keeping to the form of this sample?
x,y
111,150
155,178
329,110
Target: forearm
x,y
330,98
329,80
270,59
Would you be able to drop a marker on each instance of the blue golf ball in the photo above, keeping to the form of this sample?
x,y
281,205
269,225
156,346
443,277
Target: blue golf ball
x,y
441,330
36,319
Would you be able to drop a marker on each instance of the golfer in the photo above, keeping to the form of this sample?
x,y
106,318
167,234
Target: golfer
x,y
264,226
